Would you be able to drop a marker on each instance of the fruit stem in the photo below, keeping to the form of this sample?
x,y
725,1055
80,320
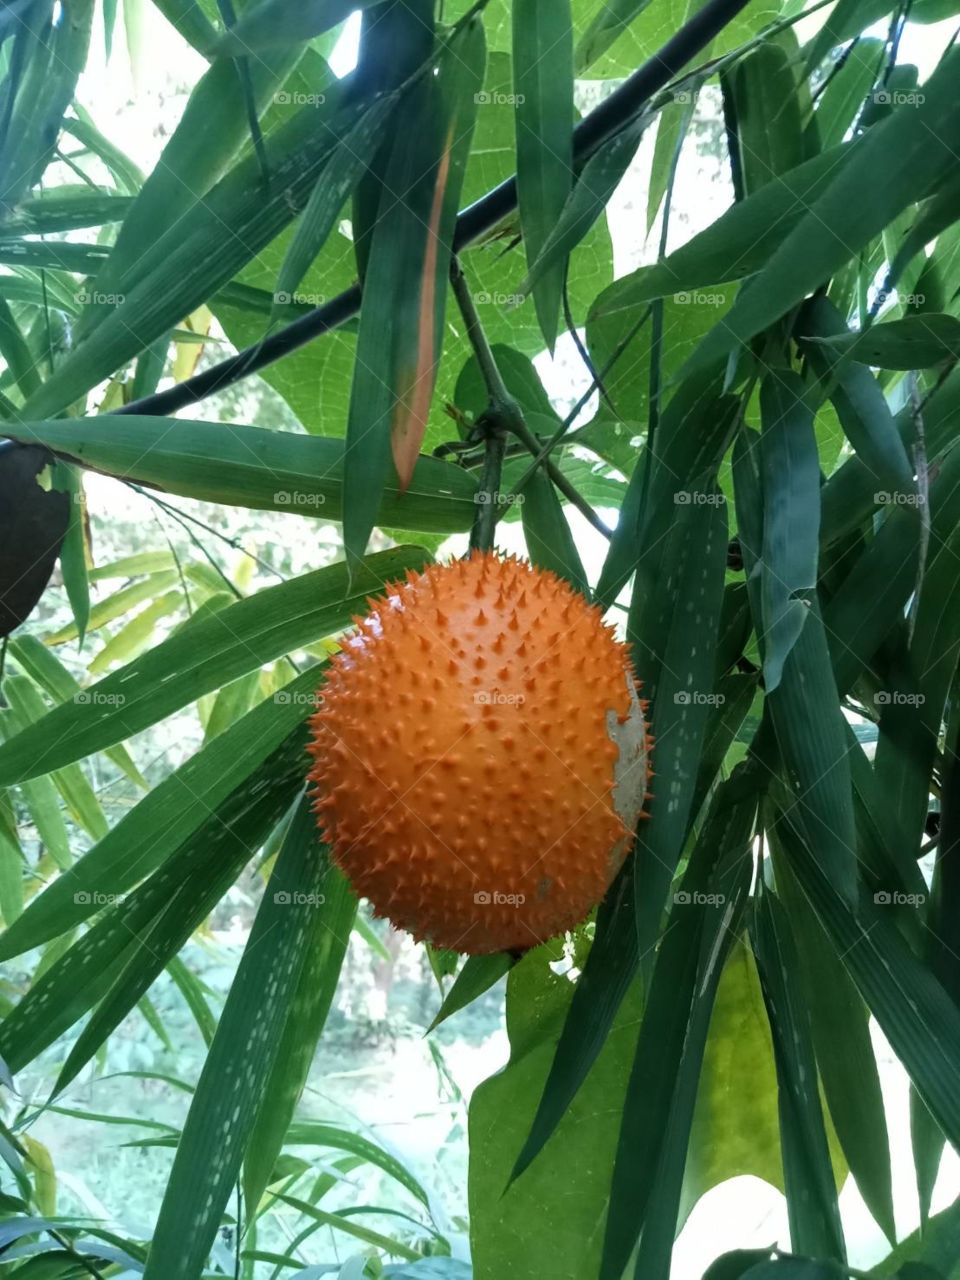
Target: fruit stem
x,y
503,414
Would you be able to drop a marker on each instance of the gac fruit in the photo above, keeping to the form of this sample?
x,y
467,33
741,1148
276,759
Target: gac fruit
x,y
480,755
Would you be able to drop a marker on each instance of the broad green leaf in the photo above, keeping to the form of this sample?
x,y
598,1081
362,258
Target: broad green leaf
x,y
210,652
514,1222
543,89
402,321
790,477
600,991
735,1131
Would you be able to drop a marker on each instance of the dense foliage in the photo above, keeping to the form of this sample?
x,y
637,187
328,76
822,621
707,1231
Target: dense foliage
x,y
771,423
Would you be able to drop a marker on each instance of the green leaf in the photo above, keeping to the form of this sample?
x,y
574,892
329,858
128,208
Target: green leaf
x,y
169,814
790,478
767,107
543,88
735,1131
805,713
242,1056
839,1022
118,958
898,160
739,242
675,655
210,652
401,322
592,191
604,28
511,1228
339,176
274,24
913,1011
329,928
661,1096
915,342
550,542
808,1176
479,974
845,93
251,467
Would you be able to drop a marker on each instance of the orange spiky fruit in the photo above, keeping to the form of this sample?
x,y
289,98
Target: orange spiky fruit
x,y
480,755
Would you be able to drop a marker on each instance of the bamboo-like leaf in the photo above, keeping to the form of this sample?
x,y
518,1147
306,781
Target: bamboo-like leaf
x,y
811,1192
805,712
913,1010
839,1023
339,176
210,652
739,242
169,814
595,185
767,108
903,157
605,26
658,1109
916,342
543,85
401,323
790,477
116,960
675,655
479,974
329,933
274,24
242,1056
845,93
550,542
251,467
